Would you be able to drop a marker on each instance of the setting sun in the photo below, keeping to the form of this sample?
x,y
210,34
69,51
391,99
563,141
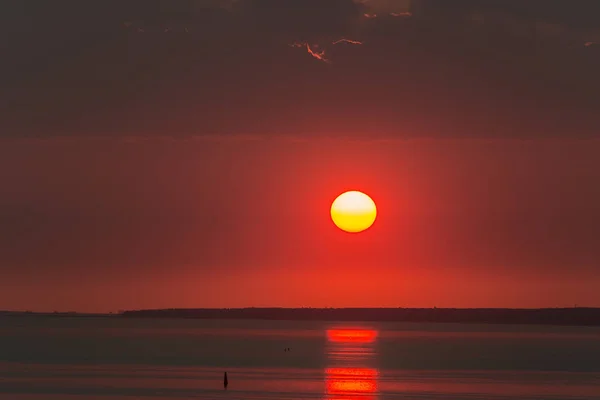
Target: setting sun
x,y
353,211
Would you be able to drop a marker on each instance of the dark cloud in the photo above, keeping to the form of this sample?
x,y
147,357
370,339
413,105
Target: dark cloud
x,y
302,19
579,14
475,69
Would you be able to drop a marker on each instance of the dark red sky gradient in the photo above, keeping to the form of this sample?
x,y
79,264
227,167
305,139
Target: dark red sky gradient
x,y
246,222
197,170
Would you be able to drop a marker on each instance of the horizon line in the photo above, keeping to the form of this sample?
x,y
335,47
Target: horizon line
x,y
119,312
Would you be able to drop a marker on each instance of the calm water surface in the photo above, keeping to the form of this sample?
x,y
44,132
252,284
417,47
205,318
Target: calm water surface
x,y
124,359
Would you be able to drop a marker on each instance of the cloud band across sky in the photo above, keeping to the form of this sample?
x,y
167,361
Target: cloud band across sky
x,y
431,74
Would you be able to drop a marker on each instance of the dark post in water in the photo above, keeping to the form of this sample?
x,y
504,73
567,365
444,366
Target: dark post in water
x,y
225,381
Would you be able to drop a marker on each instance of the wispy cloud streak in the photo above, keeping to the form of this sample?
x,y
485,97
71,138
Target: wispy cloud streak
x,y
319,55
350,41
402,14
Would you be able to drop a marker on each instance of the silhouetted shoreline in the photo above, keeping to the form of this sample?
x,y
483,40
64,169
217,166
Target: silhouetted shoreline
x,y
578,316
546,316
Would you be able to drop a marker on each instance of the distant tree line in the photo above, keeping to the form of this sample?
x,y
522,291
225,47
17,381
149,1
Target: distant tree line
x,y
545,316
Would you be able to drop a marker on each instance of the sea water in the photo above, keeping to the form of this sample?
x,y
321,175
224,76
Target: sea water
x,y
45,358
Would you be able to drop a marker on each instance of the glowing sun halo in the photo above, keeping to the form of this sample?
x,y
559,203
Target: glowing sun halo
x,y
353,211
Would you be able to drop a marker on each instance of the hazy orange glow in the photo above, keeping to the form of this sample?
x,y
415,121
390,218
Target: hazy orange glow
x,y
353,211
424,249
351,335
343,383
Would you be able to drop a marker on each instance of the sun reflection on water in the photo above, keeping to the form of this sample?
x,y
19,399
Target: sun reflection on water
x,y
351,355
346,383
352,335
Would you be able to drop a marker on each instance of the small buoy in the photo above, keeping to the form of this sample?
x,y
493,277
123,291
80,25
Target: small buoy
x,y
225,382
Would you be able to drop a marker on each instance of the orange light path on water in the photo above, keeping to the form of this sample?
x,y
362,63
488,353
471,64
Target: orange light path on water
x,y
352,335
347,383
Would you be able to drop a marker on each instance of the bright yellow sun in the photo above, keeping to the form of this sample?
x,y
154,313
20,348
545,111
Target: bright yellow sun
x,y
353,211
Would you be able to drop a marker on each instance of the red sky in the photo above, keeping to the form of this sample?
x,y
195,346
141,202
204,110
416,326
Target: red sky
x,y
185,154
245,222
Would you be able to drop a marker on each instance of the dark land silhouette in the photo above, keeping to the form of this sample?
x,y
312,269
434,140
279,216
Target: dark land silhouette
x,y
574,316
545,316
